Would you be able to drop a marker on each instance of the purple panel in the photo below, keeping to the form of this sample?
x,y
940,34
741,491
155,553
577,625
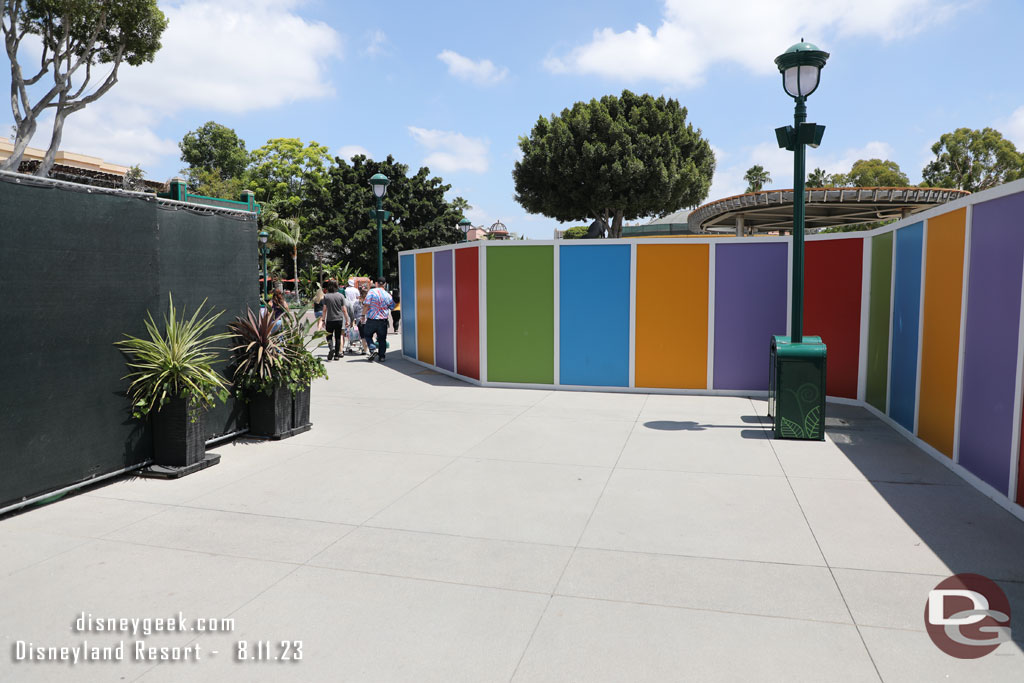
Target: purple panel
x,y
444,311
990,346
750,307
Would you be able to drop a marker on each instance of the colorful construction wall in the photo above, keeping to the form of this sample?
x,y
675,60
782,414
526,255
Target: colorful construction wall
x,y
922,320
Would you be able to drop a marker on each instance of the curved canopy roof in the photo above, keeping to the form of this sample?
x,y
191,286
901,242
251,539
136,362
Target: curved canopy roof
x,y
770,210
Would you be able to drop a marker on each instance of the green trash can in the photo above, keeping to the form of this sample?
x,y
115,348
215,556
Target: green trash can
x,y
796,388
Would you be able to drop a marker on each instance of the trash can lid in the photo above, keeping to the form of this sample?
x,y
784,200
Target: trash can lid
x,y
803,350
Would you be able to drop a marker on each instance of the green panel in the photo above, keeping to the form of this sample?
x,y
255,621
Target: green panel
x,y
878,320
521,314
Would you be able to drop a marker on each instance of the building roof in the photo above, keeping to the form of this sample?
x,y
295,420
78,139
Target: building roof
x,y
771,210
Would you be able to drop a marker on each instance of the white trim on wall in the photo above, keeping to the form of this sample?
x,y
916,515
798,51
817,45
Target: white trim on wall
x,y
455,319
711,317
892,323
632,315
1019,368
865,319
789,287
920,324
963,332
556,287
482,274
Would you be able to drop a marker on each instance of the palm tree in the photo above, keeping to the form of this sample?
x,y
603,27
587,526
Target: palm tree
x,y
284,232
818,178
756,178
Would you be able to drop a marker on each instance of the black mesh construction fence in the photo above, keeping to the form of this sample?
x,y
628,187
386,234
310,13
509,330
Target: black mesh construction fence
x,y
79,270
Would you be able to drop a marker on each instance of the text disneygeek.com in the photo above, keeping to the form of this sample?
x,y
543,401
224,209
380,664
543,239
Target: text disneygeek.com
x,y
140,650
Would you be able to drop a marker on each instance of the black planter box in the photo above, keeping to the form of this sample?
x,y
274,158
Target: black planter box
x,y
270,415
300,410
179,442
178,439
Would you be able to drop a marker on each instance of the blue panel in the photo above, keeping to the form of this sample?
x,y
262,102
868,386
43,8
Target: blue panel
x,y
906,317
407,282
594,315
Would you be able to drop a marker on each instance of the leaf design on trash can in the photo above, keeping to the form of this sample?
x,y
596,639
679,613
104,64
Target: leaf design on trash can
x,y
812,421
791,430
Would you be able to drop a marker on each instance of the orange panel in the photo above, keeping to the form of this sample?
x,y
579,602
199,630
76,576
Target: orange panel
x,y
425,308
672,316
943,281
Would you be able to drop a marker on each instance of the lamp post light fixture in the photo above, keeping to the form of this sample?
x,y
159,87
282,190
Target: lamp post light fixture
x,y
465,225
263,235
796,385
379,182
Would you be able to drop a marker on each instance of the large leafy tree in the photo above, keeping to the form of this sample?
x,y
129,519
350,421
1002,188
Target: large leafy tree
x,y
287,173
756,178
973,160
615,158
215,156
339,224
76,37
876,173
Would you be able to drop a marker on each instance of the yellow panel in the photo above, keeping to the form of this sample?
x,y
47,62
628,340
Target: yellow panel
x,y
425,307
943,280
672,316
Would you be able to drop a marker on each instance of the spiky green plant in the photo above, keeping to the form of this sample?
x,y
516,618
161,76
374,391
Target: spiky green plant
x,y
175,363
259,351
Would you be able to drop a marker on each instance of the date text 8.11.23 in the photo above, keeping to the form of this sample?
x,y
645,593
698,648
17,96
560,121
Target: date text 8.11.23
x,y
268,651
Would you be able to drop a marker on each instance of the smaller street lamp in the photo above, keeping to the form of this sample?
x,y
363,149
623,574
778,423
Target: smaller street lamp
x,y
379,182
263,250
465,225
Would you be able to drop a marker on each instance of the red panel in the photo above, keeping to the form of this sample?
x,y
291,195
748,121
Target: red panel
x,y
832,284
467,312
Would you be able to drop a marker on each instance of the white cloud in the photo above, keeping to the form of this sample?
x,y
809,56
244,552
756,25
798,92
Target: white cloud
x,y
349,151
695,34
376,44
451,151
1013,128
483,72
118,135
228,56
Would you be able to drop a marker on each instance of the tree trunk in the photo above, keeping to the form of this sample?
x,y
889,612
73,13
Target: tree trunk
x,y
58,132
21,139
616,227
295,271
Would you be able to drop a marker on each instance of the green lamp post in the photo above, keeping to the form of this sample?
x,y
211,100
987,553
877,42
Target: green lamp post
x,y
379,182
263,251
464,225
800,67
796,385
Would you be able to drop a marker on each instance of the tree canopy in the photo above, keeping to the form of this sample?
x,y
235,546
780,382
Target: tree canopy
x,y
615,158
338,223
213,151
876,173
756,178
973,160
75,37
285,172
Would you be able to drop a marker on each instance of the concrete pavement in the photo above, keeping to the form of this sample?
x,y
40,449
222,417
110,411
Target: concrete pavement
x,y
428,530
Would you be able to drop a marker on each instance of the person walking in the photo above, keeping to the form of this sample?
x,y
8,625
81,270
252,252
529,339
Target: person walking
x,y
318,307
376,309
278,308
396,312
337,320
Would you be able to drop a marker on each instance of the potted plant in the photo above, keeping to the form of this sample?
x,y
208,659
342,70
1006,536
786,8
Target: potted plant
x,y
272,366
173,379
302,367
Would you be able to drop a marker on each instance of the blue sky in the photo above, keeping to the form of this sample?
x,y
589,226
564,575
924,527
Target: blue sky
x,y
452,85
